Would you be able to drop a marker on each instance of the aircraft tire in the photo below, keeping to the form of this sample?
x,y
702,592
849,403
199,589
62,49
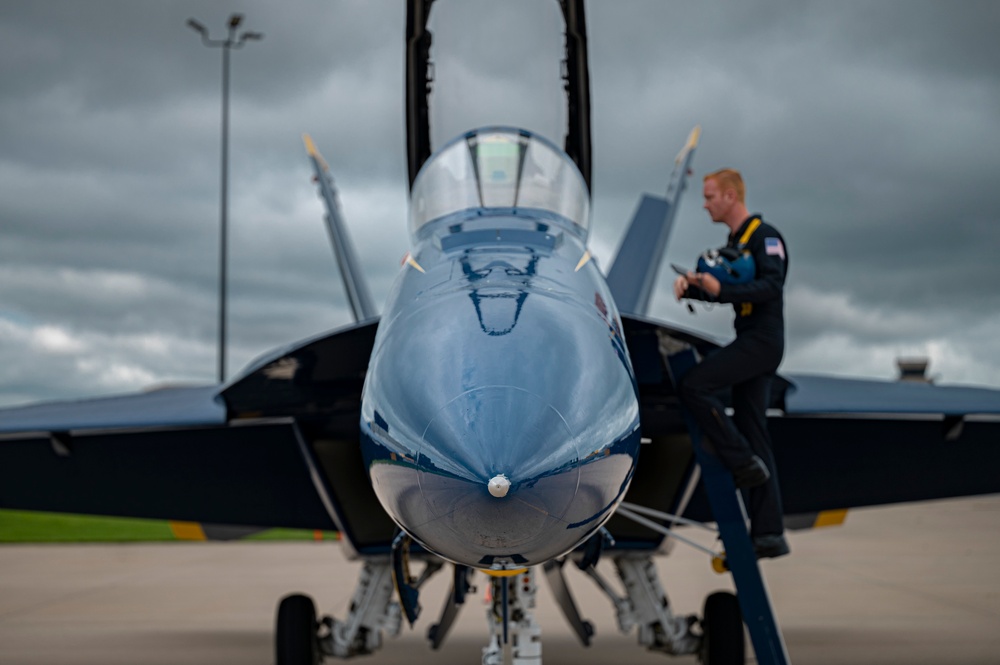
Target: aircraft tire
x,y
295,637
722,627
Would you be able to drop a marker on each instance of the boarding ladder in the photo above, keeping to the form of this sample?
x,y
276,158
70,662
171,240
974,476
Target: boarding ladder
x,y
731,519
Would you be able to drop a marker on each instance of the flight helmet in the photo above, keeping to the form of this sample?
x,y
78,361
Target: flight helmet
x,y
729,265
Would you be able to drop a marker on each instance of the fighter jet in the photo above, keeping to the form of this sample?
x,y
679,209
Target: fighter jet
x,y
513,409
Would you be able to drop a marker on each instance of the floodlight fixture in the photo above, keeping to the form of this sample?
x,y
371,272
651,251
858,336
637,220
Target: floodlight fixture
x,y
197,27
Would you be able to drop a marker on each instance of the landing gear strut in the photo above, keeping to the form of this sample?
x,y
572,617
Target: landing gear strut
x,y
511,619
644,606
302,640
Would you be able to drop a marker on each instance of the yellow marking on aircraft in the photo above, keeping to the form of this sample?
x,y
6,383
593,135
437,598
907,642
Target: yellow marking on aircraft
x,y
583,261
830,518
505,573
691,144
313,152
187,531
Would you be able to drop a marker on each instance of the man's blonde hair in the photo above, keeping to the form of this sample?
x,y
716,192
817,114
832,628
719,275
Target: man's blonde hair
x,y
729,179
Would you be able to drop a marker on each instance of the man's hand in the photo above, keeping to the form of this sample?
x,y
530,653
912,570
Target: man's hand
x,y
703,280
680,286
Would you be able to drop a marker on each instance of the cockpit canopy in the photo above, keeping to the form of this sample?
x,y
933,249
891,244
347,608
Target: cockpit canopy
x,y
499,168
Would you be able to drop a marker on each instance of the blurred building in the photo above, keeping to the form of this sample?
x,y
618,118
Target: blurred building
x,y
913,369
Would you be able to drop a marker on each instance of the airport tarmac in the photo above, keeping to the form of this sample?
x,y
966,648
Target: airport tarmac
x,y
916,584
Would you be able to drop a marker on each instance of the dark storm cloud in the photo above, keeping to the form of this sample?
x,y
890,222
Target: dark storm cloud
x,y
869,132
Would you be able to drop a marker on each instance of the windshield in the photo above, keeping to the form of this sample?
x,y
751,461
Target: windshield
x,y
499,168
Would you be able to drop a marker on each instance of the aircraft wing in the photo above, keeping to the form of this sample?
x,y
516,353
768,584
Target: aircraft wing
x,y
166,407
276,447
842,443
838,443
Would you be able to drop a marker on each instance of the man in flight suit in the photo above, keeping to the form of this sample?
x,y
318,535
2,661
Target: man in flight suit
x,y
742,443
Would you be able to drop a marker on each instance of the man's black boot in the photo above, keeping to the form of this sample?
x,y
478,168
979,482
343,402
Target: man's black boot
x,y
771,546
751,474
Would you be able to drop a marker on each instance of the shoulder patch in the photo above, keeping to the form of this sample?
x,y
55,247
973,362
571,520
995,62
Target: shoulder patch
x,y
774,247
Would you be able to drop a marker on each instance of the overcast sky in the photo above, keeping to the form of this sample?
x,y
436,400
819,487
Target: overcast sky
x,y
868,133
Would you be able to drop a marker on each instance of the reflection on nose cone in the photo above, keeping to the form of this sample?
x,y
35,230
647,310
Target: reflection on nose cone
x,y
497,430
504,480
498,486
474,527
511,443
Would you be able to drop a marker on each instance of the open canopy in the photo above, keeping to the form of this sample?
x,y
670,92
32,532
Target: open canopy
x,y
499,168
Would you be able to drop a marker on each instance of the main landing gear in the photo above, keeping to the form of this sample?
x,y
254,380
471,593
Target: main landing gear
x,y
295,638
722,640
301,638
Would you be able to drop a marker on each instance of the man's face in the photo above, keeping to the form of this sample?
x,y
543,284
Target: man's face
x,y
716,203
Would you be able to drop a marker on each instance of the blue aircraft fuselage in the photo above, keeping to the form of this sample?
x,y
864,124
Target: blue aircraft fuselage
x,y
500,419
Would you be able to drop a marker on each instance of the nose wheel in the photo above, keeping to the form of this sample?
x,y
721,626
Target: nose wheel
x,y
296,637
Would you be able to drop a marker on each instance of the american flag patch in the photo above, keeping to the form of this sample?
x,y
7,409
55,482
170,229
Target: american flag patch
x,y
773,247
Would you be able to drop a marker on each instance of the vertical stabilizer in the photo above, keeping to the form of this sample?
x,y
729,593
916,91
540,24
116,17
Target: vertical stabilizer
x,y
350,270
632,275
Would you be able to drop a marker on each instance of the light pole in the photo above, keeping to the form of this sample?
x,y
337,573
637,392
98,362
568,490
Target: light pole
x,y
230,42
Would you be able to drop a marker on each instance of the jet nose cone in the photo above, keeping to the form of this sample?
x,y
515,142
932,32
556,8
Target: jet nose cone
x,y
484,378
519,449
498,486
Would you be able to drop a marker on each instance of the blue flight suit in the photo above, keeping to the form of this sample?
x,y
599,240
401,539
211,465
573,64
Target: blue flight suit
x,y
746,366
